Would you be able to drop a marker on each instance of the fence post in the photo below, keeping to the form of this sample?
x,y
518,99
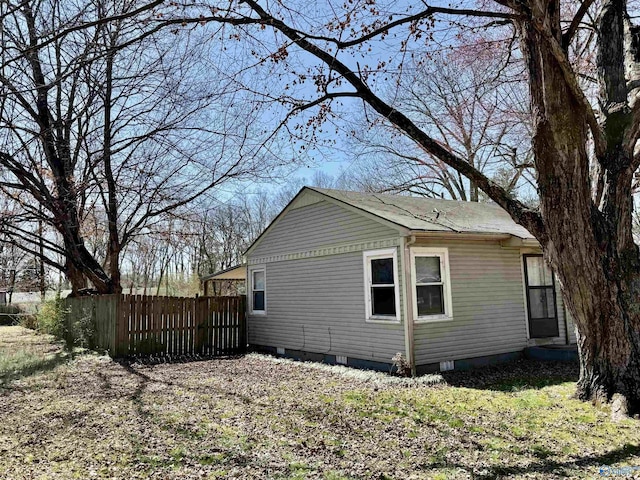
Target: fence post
x,y
67,313
121,341
242,319
116,328
197,326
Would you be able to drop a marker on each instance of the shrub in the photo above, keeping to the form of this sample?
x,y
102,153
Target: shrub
x,y
82,330
74,323
401,364
51,318
28,321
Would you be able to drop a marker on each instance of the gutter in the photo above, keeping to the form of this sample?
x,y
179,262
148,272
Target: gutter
x,y
516,242
409,340
506,240
460,235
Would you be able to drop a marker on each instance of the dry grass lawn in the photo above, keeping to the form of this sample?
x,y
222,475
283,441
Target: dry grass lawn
x,y
86,416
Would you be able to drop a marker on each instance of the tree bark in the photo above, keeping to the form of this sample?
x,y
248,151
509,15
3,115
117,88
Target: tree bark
x,y
114,246
77,280
80,264
473,192
590,248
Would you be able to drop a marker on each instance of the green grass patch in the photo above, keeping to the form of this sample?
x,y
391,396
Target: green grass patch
x,y
22,353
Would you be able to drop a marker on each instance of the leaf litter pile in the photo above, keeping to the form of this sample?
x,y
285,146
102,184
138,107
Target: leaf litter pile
x,y
259,417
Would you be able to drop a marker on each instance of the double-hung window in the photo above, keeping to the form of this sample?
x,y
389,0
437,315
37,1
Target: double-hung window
x,y
258,291
431,284
381,285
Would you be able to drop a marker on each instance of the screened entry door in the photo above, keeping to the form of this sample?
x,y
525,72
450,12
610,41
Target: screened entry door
x,y
541,298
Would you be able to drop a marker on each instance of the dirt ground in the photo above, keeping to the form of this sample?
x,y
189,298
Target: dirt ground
x,y
86,416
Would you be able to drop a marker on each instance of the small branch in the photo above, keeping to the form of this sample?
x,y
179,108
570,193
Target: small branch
x,y
36,254
85,25
567,36
428,12
324,98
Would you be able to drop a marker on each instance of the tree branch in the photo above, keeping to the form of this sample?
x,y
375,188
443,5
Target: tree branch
x,y
567,36
85,25
428,12
36,254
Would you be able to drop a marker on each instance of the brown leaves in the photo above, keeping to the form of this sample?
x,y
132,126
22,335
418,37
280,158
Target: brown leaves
x,y
257,417
280,55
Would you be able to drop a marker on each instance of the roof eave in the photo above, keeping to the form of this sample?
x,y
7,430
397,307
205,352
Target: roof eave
x,y
505,239
457,235
517,242
209,276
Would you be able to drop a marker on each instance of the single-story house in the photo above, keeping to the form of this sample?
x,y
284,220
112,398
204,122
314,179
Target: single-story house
x,y
354,278
230,281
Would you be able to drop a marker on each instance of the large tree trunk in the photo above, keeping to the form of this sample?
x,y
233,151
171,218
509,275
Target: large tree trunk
x,y
77,280
608,325
80,265
114,247
610,369
590,246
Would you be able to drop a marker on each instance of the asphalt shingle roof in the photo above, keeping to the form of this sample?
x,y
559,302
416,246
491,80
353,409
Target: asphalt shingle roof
x,y
432,215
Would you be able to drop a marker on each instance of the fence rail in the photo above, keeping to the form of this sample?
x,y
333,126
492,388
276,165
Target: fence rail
x,y
145,325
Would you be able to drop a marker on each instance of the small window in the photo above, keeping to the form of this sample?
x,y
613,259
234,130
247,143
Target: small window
x,y
258,291
381,285
431,285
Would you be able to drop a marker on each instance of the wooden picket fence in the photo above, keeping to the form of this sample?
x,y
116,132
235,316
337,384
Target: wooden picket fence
x,y
145,325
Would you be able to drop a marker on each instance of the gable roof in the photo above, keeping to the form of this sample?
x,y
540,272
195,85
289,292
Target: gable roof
x,y
414,214
421,214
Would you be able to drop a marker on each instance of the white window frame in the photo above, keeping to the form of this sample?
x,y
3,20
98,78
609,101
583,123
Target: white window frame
x,y
367,256
443,255
263,269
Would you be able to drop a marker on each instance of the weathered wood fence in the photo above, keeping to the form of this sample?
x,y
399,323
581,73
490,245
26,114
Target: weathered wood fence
x,y
145,325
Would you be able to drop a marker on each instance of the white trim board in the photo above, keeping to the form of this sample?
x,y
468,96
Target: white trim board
x,y
367,256
443,254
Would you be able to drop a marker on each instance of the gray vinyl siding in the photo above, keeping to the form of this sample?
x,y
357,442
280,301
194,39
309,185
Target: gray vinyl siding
x,y
318,305
487,301
318,225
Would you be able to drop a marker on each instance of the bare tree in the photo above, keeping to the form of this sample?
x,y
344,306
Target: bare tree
x,y
462,103
100,133
20,267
